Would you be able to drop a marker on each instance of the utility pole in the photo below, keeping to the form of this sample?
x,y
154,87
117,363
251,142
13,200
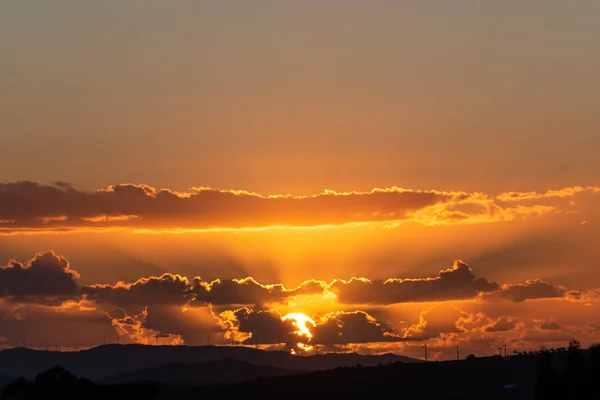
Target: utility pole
x,y
457,353
104,339
425,347
208,340
504,350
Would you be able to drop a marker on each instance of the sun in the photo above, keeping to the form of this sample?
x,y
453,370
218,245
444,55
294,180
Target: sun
x,y
301,322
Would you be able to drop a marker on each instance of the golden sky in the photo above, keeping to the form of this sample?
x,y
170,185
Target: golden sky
x,y
393,174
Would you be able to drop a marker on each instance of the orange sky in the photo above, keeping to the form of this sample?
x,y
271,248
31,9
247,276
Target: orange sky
x,y
386,270
402,174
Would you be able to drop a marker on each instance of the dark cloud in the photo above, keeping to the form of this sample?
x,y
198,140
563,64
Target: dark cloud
x,y
26,205
352,327
234,291
534,289
246,325
167,289
46,277
251,326
196,325
248,291
266,327
504,324
457,282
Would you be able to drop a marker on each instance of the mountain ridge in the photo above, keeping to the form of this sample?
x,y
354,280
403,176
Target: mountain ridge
x,y
107,360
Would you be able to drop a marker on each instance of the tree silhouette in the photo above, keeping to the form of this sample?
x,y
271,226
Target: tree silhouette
x,y
574,381
574,345
594,369
58,383
58,376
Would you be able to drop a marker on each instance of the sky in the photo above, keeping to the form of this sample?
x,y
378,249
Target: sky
x,y
402,173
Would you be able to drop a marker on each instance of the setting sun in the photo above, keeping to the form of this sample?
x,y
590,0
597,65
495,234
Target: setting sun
x,y
300,321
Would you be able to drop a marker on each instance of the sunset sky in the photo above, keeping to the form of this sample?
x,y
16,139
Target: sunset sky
x,y
402,173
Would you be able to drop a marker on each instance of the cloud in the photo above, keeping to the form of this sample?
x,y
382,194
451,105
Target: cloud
x,y
343,327
250,326
167,289
132,329
46,277
248,291
548,326
457,282
441,321
171,308
505,324
66,326
533,289
31,207
195,325
565,192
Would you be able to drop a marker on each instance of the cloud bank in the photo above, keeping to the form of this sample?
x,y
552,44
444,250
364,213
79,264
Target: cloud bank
x,y
32,207
49,277
170,308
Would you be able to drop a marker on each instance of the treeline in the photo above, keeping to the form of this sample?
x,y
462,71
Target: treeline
x,y
575,375
58,383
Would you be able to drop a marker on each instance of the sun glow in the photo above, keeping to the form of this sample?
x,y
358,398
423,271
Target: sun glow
x,y
301,322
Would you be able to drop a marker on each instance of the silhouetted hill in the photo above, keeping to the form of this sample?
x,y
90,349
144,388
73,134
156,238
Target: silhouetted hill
x,y
545,376
212,372
481,378
103,361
